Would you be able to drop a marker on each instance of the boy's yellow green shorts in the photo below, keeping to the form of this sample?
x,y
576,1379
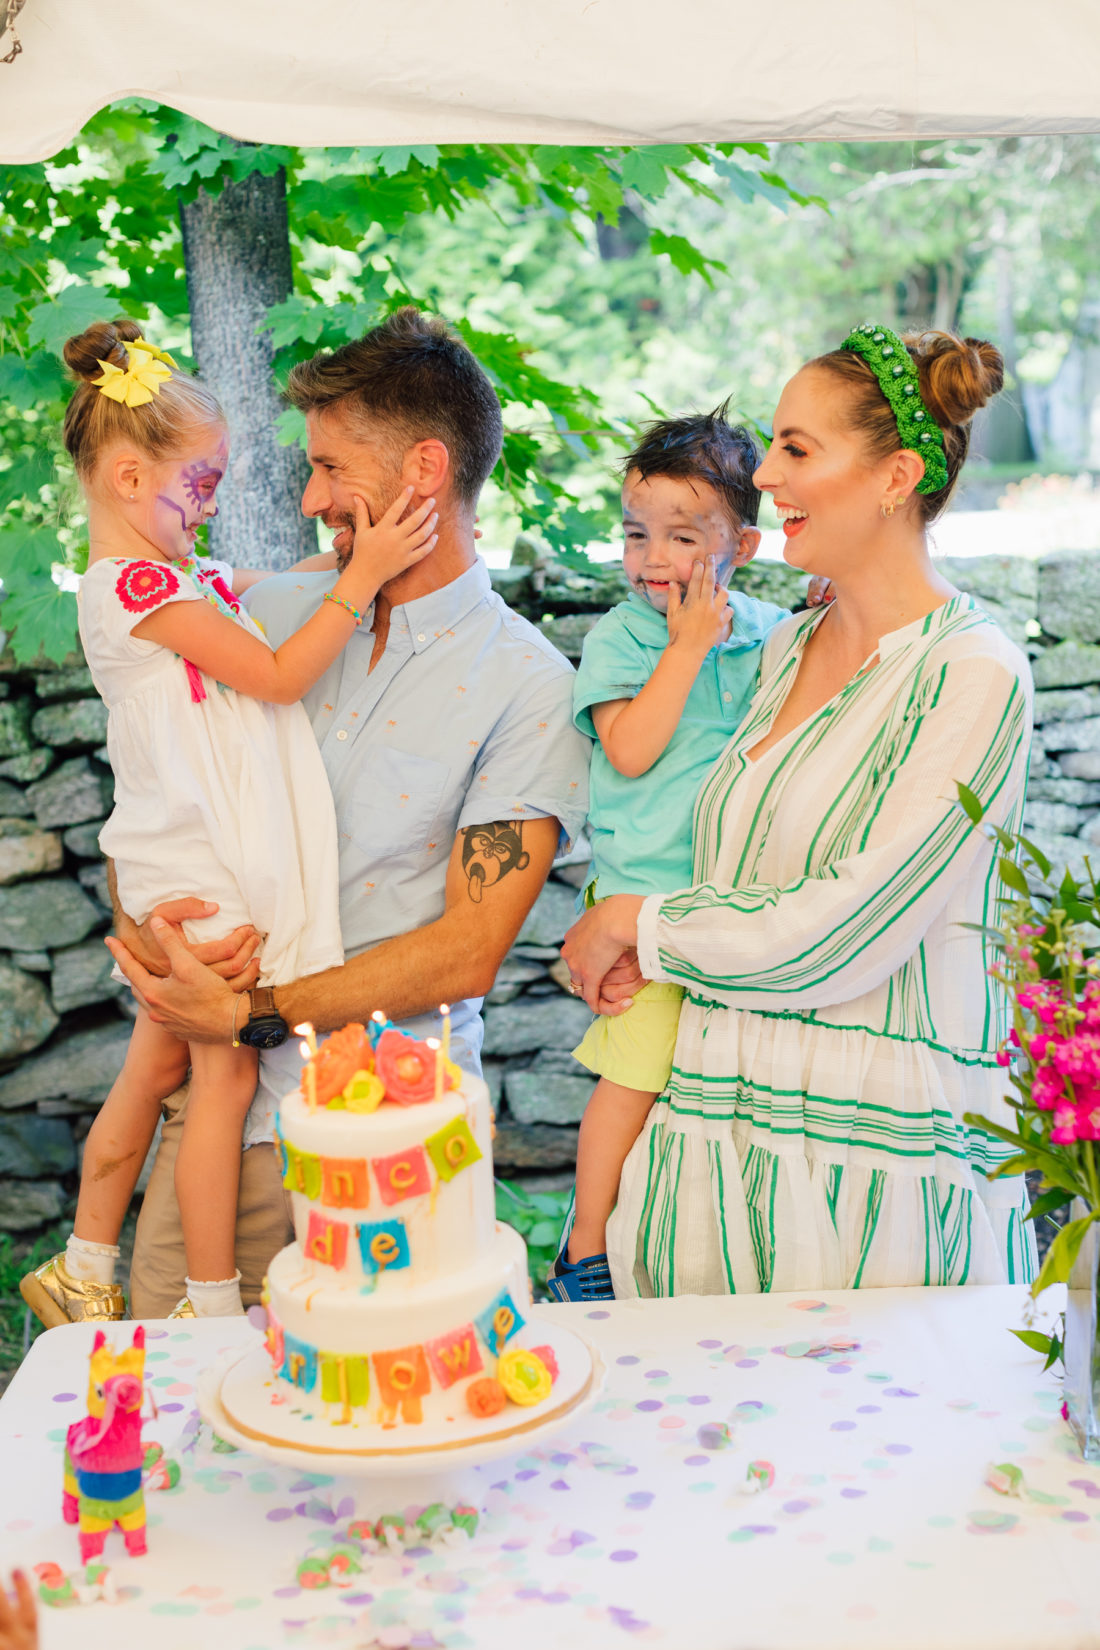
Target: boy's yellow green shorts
x,y
636,1048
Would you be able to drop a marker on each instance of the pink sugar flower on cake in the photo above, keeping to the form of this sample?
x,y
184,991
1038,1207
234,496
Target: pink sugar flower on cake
x,y
407,1068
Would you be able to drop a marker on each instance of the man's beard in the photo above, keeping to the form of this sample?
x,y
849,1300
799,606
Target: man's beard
x,y
377,509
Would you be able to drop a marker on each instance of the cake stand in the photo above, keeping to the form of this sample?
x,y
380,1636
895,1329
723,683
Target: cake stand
x,y
235,1396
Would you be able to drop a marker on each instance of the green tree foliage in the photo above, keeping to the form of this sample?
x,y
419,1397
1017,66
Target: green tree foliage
x,y
94,232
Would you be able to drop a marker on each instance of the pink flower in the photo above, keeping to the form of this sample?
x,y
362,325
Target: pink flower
x,y
1039,1045
1004,1058
1047,1089
1064,1132
1088,1119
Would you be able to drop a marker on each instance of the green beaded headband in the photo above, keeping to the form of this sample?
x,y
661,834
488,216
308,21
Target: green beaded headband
x,y
893,366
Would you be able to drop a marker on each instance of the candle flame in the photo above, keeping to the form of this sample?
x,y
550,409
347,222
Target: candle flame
x,y
432,1042
303,1030
444,1008
303,1049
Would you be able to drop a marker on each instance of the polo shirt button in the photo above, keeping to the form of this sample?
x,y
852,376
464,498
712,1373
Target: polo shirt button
x,y
728,697
341,733
420,636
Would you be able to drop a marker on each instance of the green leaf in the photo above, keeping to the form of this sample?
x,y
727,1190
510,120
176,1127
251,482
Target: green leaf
x,y
41,619
1036,855
646,169
1047,1202
684,257
969,802
296,320
27,380
1063,1252
395,160
1011,875
1033,1339
72,310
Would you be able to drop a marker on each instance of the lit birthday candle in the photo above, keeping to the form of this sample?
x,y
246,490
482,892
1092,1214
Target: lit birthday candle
x,y
434,1043
307,1048
445,1010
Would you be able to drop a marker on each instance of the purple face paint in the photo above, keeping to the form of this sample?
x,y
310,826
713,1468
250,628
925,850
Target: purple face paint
x,y
187,501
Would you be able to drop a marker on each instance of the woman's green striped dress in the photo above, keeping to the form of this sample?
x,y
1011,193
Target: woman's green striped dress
x,y
839,1019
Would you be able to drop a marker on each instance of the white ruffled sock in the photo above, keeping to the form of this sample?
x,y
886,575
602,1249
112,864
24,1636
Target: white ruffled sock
x,y
216,1300
90,1262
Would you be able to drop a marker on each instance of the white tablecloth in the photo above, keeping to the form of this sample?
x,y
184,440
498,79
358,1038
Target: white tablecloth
x,y
879,1532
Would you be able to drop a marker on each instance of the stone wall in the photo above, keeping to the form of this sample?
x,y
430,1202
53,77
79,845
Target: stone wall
x,y
63,1023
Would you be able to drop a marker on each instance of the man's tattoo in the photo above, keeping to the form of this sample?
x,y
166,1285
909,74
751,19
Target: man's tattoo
x,y
489,852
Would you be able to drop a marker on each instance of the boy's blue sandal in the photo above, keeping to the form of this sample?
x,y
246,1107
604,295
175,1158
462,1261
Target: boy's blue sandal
x,y
586,1280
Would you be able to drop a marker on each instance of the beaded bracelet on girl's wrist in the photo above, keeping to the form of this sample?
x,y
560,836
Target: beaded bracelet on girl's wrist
x,y
330,596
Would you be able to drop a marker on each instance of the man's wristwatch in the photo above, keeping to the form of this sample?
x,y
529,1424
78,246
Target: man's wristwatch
x,y
265,1026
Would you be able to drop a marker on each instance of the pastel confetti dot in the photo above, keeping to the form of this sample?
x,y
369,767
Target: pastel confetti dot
x,y
702,1460
597,1314
1091,1489
841,1558
157,1357
528,1472
942,1521
899,1449
278,1514
638,1500
839,1369
848,1494
623,1556
746,1363
559,1484
628,1358
57,1435
843,1426
1076,1517
170,1409
179,1389
740,1535
761,1529
699,1398
869,1409
701,1486
797,1506
708,1345
900,1392
809,1306
19,1524
656,1374
64,1397
649,1404
671,1421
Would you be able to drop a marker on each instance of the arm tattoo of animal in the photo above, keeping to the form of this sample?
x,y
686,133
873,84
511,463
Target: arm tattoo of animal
x,y
489,852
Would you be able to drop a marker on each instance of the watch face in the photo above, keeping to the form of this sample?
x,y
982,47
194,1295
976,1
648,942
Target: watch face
x,y
266,1031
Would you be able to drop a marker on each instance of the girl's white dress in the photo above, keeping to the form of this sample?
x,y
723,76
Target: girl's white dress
x,y
217,795
839,1022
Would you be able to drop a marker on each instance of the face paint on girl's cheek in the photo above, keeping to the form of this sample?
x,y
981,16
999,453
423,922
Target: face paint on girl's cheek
x,y
190,495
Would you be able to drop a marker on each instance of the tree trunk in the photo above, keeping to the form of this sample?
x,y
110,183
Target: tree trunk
x,y
1000,431
237,252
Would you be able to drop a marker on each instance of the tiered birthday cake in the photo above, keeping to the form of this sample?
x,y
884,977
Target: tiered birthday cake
x,y
401,1310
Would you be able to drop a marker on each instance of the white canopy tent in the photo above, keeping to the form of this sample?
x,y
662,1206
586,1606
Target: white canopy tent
x,y
348,72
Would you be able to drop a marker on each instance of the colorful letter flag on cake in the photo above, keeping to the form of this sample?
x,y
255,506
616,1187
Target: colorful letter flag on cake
x,y
403,1379
405,1174
345,1183
299,1363
303,1171
280,1153
454,1356
499,1322
344,1380
326,1240
273,1339
452,1148
383,1244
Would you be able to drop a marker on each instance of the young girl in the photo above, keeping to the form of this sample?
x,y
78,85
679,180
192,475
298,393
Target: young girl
x,y
220,791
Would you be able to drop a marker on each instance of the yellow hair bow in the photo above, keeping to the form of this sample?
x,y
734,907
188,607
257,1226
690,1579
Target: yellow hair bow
x,y
148,369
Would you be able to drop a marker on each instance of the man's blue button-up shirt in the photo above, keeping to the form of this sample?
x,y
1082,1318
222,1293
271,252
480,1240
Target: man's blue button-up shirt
x,y
465,719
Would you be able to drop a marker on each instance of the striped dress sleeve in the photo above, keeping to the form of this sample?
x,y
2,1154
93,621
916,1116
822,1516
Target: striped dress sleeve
x,y
841,930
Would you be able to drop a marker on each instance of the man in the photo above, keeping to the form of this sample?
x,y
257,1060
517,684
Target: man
x,y
446,732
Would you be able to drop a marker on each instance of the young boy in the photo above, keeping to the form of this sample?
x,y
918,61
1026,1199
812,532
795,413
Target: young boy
x,y
665,679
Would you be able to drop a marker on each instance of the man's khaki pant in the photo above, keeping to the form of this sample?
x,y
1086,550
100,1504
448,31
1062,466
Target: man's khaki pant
x,y
159,1270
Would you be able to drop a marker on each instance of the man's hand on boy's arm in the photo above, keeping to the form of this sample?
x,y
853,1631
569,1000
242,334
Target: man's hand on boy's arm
x,y
633,733
494,877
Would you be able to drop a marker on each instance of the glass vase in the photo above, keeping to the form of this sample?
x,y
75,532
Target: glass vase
x,y
1082,1341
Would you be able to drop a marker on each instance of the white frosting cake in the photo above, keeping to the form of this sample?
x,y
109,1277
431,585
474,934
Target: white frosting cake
x,y
402,1301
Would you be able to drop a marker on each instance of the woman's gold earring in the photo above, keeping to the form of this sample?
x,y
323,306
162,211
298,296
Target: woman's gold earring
x,y
887,510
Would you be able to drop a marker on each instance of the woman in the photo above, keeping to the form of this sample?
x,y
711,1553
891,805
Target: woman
x,y
839,1020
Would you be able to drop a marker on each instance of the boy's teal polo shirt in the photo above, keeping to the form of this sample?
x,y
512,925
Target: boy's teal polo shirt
x,y
641,828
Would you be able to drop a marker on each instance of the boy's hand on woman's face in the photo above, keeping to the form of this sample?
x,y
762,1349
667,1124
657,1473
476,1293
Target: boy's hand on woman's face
x,y
820,591
702,617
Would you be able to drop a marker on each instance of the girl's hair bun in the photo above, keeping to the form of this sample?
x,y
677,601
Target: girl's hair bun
x,y
102,341
957,375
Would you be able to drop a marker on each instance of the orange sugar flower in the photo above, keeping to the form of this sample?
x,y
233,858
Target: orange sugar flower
x,y
338,1059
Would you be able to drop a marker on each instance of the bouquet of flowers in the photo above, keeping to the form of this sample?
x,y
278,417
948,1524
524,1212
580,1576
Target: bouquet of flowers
x,y
1048,960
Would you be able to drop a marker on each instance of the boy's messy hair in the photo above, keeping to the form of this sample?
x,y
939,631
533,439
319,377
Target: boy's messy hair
x,y
703,447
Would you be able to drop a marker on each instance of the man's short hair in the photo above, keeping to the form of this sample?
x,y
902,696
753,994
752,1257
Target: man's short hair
x,y
703,447
411,379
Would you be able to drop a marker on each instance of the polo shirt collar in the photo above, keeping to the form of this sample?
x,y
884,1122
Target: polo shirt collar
x,y
431,616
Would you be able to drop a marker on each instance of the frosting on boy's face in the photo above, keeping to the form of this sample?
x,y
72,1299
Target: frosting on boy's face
x,y
669,524
185,489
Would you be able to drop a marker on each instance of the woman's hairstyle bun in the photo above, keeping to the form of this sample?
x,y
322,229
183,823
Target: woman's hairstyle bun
x,y
102,341
957,377
94,423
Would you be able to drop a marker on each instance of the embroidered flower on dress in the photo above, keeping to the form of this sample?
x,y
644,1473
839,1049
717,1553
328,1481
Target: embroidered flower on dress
x,y
144,584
